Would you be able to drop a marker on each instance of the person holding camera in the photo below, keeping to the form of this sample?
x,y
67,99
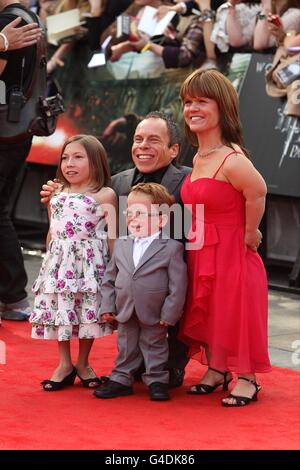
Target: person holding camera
x,y
277,19
15,73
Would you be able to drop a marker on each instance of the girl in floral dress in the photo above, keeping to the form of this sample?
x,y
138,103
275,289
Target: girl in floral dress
x,y
68,287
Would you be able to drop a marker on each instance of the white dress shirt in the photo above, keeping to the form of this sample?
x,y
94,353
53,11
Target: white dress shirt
x,y
140,245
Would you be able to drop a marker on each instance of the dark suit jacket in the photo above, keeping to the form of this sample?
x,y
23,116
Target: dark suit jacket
x,y
172,181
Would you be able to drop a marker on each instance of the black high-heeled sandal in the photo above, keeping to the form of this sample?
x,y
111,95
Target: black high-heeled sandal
x,y
88,383
243,401
205,389
68,380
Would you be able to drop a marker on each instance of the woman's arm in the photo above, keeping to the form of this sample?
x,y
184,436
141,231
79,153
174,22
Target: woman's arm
x,y
48,238
233,27
119,49
292,40
261,35
241,173
59,54
207,25
108,200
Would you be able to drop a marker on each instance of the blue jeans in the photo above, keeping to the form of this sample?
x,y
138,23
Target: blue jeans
x,y
13,278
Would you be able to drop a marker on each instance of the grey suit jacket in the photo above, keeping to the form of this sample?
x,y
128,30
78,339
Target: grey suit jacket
x,y
172,181
155,289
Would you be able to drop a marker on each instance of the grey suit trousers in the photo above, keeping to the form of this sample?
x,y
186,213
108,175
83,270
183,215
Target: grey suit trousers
x,y
137,342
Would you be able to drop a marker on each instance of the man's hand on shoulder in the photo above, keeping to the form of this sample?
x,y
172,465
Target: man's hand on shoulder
x,y
48,189
21,37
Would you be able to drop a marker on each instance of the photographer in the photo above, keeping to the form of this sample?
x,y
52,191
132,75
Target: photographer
x,y
13,279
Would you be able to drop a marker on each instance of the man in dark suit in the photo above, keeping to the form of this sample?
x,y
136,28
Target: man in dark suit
x,y
154,150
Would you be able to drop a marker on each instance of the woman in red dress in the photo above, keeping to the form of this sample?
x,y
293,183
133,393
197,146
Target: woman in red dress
x,y
226,311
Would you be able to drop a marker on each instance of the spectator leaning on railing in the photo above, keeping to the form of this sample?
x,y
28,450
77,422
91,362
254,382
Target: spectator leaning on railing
x,y
235,24
194,44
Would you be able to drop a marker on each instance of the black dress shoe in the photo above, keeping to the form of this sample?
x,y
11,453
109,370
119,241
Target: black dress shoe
x,y
176,377
159,391
111,389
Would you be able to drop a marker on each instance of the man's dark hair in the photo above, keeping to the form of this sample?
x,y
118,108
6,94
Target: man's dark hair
x,y
172,127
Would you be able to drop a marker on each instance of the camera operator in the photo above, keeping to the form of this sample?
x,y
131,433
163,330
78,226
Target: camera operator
x,y
15,66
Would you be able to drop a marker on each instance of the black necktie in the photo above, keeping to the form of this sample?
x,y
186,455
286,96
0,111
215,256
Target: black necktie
x,y
148,178
143,178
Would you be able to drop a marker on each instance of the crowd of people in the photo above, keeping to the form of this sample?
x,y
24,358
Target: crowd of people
x,y
200,32
167,303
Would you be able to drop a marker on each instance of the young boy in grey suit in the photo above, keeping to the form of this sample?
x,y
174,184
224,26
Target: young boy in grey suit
x,y
144,290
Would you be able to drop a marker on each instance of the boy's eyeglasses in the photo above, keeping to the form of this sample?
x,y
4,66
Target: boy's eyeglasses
x,y
139,214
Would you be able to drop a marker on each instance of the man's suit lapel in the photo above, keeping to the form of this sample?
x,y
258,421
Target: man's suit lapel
x,y
122,182
129,179
154,248
171,178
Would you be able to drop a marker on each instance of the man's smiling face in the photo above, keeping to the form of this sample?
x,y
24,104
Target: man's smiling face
x,y
151,148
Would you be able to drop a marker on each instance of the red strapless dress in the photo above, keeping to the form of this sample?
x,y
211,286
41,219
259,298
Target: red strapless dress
x,y
227,300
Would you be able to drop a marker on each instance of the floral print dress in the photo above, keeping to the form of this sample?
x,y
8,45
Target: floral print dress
x,y
67,290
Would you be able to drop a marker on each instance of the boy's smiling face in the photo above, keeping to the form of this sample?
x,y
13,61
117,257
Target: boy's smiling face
x,y
142,215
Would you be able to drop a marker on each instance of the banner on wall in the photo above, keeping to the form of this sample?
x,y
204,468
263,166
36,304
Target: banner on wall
x,y
95,99
272,137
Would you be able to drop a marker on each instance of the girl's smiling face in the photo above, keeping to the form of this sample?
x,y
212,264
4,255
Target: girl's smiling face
x,y
75,165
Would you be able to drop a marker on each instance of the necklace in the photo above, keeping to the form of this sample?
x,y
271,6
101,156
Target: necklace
x,y
202,155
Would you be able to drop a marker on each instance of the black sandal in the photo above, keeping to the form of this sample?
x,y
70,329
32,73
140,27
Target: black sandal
x,y
88,383
243,401
68,380
205,389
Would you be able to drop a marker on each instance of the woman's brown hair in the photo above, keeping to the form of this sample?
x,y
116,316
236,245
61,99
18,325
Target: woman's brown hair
x,y
214,85
96,153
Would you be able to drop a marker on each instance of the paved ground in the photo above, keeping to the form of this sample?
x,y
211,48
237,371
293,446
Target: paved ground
x,y
284,321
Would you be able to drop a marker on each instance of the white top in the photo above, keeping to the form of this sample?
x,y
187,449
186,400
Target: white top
x,y
140,245
246,17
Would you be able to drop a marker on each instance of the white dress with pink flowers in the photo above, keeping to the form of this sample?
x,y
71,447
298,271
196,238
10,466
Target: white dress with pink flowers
x,y
67,290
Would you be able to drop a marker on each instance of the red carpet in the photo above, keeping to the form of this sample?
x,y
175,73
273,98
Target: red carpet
x,y
74,419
